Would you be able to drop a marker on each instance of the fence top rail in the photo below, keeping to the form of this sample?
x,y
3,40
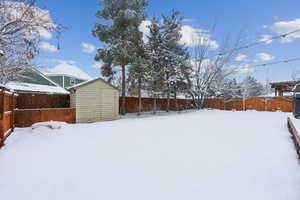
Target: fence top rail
x,y
44,109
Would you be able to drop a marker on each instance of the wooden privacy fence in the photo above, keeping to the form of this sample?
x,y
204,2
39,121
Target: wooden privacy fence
x,y
284,104
36,101
25,109
7,106
132,104
295,135
27,117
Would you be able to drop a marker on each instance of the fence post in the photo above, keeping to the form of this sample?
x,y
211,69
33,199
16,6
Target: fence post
x,y
12,111
266,104
244,103
1,118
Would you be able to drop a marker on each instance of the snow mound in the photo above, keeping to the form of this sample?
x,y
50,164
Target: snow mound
x,y
49,125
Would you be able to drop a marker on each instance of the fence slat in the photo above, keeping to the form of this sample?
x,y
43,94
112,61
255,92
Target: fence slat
x,y
148,104
284,104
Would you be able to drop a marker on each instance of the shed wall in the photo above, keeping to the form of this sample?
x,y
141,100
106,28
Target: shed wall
x,y
96,102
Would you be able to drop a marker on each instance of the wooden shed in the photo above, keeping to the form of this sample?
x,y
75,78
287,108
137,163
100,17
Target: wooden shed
x,y
95,100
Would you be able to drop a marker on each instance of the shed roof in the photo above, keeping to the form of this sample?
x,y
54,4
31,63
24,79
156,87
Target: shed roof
x,y
91,81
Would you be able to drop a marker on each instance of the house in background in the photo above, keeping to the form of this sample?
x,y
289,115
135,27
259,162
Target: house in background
x,y
34,81
65,80
66,75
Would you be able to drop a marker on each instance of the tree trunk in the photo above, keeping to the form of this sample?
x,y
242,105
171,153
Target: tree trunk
x,y
155,104
140,95
176,103
168,100
168,93
123,106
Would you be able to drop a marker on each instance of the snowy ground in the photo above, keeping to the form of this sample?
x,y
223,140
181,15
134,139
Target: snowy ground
x,y
211,155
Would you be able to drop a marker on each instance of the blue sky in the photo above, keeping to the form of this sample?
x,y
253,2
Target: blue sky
x,y
254,19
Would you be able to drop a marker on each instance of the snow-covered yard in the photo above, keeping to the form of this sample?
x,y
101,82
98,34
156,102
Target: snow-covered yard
x,y
209,155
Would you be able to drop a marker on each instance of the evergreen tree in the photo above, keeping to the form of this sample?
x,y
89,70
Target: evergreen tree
x,y
121,34
251,87
174,53
138,74
167,57
156,55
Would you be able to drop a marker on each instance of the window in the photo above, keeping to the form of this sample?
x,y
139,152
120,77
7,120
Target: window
x,y
72,81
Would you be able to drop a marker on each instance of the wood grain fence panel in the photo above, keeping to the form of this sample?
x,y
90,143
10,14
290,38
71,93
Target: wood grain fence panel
x,y
7,106
38,101
28,117
284,104
132,104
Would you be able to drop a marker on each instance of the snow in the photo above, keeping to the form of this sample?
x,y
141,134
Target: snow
x,y
206,154
287,94
68,68
50,125
35,88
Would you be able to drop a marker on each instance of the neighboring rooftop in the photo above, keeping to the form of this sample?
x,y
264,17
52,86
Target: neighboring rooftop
x,y
66,70
29,87
91,81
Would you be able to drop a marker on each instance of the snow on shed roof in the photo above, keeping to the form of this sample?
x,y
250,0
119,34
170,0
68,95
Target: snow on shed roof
x,y
29,87
91,81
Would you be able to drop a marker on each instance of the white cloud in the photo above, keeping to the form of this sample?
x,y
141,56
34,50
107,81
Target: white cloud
x,y
241,57
67,67
188,20
88,48
192,36
244,68
265,57
48,47
267,39
97,65
282,27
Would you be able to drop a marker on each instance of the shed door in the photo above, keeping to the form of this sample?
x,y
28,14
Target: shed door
x,y
108,104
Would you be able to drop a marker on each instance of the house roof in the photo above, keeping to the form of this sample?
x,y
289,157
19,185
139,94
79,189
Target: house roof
x,y
67,69
29,87
91,81
23,86
51,75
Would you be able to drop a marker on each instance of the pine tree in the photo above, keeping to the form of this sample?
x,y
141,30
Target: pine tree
x,y
156,55
173,51
138,73
121,34
251,87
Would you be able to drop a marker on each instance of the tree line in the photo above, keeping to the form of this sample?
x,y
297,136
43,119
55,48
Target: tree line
x,y
160,65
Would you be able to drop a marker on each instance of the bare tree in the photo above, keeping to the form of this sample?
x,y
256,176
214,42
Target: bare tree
x,y
207,69
22,24
295,75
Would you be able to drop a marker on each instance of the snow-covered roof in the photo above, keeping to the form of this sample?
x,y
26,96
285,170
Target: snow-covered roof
x,y
66,69
29,87
286,94
90,81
